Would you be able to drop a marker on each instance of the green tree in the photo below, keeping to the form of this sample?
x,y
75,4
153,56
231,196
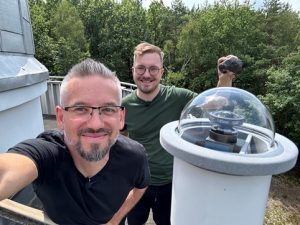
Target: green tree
x,y
177,19
98,18
68,33
282,25
174,78
128,30
164,25
283,96
45,47
218,30
157,19
113,30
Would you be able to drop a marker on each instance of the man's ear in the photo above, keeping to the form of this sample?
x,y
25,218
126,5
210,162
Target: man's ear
x,y
59,117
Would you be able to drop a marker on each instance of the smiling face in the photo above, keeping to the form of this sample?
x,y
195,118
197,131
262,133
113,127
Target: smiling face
x,y
90,138
147,84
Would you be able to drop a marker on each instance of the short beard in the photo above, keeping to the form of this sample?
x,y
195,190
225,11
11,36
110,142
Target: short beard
x,y
147,91
95,154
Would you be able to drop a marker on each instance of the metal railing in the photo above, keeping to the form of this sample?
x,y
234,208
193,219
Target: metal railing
x,y
50,99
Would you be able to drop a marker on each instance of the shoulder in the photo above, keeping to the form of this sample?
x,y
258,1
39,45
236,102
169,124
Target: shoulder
x,y
177,91
52,136
44,145
129,146
52,139
129,98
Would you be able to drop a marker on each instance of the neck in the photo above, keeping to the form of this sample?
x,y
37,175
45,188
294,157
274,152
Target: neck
x,y
148,97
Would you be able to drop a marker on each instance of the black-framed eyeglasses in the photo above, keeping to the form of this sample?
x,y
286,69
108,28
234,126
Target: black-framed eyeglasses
x,y
153,70
86,112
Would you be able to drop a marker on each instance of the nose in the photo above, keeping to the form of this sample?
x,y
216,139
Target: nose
x,y
147,72
96,119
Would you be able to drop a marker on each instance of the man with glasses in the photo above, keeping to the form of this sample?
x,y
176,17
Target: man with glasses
x,y
148,108
84,173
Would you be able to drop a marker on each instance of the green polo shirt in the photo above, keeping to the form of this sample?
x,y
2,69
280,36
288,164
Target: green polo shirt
x,y
144,121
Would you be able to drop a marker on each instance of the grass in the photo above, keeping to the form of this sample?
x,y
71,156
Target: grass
x,y
284,199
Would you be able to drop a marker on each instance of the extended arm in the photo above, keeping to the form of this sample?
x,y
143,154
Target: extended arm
x,y
226,77
16,171
133,197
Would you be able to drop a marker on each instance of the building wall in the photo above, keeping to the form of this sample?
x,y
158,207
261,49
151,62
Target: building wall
x,y
23,79
15,27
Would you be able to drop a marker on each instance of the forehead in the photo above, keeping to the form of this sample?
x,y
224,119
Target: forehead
x,y
148,59
91,90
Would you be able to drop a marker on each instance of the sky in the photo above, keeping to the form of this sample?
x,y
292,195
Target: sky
x,y
189,3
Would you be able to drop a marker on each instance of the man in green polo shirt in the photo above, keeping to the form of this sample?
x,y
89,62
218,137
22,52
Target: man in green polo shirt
x,y
148,108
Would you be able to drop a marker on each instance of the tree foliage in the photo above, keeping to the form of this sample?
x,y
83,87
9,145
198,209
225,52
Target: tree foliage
x,y
59,35
68,33
125,36
45,47
218,30
283,96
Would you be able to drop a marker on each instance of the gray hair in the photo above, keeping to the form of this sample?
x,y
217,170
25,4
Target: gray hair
x,y
86,68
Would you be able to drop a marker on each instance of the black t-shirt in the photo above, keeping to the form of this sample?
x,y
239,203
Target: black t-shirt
x,y
70,198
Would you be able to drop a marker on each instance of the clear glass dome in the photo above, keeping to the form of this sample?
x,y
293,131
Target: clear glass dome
x,y
228,119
